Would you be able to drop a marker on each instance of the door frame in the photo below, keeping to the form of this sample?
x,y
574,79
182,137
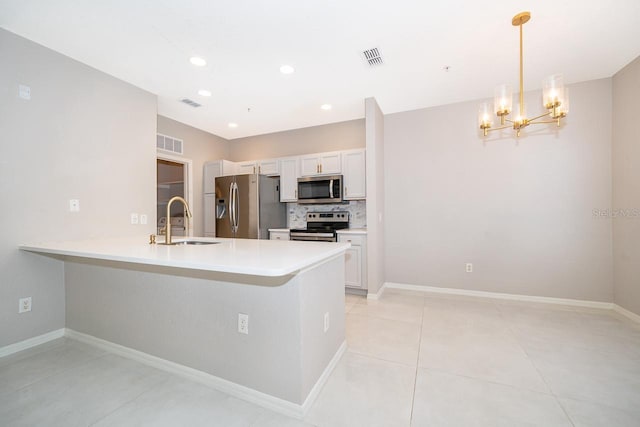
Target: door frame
x,y
188,182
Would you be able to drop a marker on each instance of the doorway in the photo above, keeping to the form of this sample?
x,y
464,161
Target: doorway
x,y
173,179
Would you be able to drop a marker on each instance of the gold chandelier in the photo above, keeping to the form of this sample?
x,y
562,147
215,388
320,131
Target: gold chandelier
x,y
555,98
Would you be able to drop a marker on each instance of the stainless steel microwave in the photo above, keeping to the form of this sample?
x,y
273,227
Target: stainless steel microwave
x,y
320,189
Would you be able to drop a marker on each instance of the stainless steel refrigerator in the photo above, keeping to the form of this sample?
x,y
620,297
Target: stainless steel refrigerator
x,y
247,206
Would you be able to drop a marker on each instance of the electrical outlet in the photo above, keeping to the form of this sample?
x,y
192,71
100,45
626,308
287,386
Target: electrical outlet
x,y
326,321
292,218
243,323
143,219
74,205
469,267
134,218
24,305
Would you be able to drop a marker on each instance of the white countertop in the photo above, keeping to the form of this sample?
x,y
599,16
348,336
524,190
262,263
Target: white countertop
x,y
284,230
352,231
243,256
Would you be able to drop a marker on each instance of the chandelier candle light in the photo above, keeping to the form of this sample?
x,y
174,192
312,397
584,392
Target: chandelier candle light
x,y
555,98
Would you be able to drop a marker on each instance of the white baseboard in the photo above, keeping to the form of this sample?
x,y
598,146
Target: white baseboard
x,y
626,313
497,295
245,393
378,294
317,388
31,342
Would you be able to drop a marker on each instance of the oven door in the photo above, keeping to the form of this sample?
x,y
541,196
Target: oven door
x,y
320,189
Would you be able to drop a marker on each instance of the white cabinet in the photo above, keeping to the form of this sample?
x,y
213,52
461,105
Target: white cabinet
x,y
269,167
355,270
320,164
212,170
354,175
244,168
209,215
279,235
289,179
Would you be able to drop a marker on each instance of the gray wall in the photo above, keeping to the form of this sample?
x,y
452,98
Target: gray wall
x,y
82,135
316,139
626,186
520,210
199,146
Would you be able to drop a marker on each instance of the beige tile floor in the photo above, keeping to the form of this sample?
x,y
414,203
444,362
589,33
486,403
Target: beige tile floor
x,y
413,360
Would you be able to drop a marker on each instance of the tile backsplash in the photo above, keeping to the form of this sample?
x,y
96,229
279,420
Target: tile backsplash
x,y
297,214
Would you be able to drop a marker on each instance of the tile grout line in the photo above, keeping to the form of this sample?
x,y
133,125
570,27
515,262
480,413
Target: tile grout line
x,y
555,396
415,377
63,371
136,397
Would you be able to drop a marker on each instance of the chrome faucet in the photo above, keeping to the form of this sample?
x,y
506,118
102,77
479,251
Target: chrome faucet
x,y
167,240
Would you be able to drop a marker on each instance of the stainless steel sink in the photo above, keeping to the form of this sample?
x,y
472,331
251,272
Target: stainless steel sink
x,y
195,242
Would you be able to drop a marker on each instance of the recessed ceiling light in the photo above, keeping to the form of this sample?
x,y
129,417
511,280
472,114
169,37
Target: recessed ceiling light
x,y
326,107
204,92
287,69
197,61
233,125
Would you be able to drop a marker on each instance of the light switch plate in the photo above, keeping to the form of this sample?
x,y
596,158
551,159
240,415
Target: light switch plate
x,y
134,218
143,219
74,205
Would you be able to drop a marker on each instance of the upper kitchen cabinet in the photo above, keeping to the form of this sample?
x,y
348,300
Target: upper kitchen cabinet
x,y
321,164
214,169
244,168
269,167
354,175
289,168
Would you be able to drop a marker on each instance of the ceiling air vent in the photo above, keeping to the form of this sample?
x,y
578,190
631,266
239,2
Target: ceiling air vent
x,y
373,57
191,103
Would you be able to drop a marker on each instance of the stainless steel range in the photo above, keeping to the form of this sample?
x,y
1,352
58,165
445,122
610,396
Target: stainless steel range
x,y
322,226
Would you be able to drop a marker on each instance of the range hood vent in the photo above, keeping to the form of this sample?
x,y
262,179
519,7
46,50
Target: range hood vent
x,y
373,57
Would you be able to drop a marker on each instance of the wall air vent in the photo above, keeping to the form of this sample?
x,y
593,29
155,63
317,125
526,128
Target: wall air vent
x,y
373,57
191,103
168,143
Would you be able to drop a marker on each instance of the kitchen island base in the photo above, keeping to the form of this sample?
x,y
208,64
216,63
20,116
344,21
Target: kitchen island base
x,y
190,318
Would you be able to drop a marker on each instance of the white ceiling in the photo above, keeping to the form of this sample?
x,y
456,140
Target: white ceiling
x,y
148,43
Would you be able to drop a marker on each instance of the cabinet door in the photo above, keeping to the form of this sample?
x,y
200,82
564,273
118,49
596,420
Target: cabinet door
x,y
210,215
269,167
354,174
211,171
289,180
330,164
309,165
244,168
353,267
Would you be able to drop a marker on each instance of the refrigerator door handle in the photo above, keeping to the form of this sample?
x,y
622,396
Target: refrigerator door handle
x,y
236,207
231,204
331,188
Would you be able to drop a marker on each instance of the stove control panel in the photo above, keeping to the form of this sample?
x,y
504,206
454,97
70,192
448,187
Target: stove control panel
x,y
337,216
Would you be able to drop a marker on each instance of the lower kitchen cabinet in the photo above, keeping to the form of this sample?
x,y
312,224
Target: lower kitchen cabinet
x,y
356,260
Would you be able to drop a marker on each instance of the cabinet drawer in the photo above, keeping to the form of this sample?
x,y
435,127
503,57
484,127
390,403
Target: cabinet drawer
x,y
354,239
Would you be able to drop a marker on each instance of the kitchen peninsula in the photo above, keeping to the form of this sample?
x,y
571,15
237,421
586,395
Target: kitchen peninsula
x,y
177,307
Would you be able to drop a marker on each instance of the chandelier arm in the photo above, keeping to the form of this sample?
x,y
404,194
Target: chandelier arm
x,y
540,116
500,128
546,121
